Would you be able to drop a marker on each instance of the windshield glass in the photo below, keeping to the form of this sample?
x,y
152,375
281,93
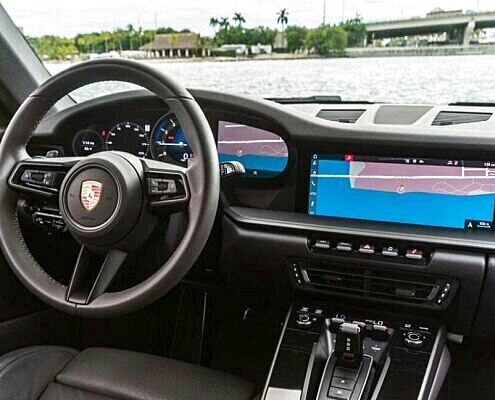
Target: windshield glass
x,y
407,51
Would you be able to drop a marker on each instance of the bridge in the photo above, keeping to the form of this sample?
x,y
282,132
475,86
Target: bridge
x,y
458,26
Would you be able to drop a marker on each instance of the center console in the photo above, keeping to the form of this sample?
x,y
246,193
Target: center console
x,y
326,353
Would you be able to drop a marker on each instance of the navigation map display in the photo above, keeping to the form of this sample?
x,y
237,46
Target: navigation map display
x,y
442,193
264,154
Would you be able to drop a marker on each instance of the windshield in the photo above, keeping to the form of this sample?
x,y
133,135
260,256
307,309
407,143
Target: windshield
x,y
407,51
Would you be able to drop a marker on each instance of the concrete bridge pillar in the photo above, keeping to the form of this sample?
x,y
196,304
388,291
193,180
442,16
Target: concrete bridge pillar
x,y
468,32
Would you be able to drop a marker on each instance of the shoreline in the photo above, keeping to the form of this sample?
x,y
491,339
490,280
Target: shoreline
x,y
365,52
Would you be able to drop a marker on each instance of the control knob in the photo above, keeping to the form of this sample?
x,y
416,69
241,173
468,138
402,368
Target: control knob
x,y
413,340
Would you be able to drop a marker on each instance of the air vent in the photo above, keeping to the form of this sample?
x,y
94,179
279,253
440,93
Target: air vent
x,y
342,115
404,288
454,118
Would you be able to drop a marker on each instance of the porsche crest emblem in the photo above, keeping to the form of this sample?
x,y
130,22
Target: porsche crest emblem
x,y
90,194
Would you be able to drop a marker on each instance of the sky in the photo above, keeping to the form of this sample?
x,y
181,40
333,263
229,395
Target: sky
x,y
70,17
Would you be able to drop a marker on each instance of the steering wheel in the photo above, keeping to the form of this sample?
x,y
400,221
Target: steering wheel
x,y
109,201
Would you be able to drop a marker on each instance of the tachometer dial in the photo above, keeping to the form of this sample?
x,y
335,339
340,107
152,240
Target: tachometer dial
x,y
169,142
129,137
87,142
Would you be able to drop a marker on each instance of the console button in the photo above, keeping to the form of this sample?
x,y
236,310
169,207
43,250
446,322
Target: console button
x,y
390,251
344,246
414,340
340,394
367,248
335,324
346,373
343,383
322,244
380,333
303,320
414,254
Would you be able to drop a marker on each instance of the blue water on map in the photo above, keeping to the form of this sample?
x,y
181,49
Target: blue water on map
x,y
334,197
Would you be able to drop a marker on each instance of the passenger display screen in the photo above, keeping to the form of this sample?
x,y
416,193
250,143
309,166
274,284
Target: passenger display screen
x,y
264,154
443,193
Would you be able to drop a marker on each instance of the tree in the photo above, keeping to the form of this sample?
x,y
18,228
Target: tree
x,y
224,23
326,40
283,20
296,35
356,31
214,22
239,18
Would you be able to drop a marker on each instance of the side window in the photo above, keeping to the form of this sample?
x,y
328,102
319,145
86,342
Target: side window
x,y
264,154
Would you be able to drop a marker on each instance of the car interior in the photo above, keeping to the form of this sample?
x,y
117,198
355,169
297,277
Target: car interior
x,y
173,243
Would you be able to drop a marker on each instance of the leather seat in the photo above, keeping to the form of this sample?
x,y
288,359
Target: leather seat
x,y
56,373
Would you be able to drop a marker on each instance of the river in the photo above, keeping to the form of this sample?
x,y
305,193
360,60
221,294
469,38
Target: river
x,y
438,80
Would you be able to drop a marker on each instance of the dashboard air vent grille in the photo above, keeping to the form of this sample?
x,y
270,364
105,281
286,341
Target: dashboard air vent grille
x,y
454,118
346,116
372,284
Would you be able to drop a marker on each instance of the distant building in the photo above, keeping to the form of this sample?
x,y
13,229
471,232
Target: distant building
x,y
176,45
261,49
239,49
280,42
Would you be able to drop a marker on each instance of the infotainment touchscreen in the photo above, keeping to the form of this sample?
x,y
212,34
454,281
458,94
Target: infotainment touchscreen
x,y
442,193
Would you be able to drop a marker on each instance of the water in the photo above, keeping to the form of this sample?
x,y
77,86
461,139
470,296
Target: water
x,y
432,80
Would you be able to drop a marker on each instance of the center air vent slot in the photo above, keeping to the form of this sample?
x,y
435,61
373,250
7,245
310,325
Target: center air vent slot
x,y
376,284
341,115
444,118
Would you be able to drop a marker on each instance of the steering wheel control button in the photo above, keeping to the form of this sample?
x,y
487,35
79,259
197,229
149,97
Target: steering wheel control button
x,y
92,197
414,254
40,178
162,186
414,340
344,246
367,248
390,251
339,394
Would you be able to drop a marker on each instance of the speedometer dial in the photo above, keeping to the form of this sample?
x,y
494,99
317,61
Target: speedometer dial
x,y
129,137
169,142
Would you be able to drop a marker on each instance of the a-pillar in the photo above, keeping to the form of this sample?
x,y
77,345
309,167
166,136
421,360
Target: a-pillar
x,y
179,53
186,53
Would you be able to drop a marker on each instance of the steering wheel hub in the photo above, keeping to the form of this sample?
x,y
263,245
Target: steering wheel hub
x,y
92,198
101,198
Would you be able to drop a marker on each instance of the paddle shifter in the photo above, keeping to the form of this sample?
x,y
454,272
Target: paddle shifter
x,y
349,345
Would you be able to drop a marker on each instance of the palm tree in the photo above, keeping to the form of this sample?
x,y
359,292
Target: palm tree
x,y
283,20
239,18
214,22
224,23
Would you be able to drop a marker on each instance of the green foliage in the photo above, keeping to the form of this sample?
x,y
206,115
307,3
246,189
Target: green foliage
x,y
240,35
356,31
326,40
296,36
53,47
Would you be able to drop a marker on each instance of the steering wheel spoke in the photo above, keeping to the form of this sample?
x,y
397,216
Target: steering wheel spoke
x,y
92,276
166,185
41,176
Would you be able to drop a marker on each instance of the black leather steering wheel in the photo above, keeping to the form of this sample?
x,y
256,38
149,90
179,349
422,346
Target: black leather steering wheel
x,y
106,199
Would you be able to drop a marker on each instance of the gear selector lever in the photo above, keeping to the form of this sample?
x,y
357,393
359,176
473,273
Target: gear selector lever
x,y
349,345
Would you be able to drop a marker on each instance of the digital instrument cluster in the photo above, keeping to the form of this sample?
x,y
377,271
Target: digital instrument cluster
x,y
165,141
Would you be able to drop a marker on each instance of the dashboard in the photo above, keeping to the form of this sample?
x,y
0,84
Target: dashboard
x,y
380,190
